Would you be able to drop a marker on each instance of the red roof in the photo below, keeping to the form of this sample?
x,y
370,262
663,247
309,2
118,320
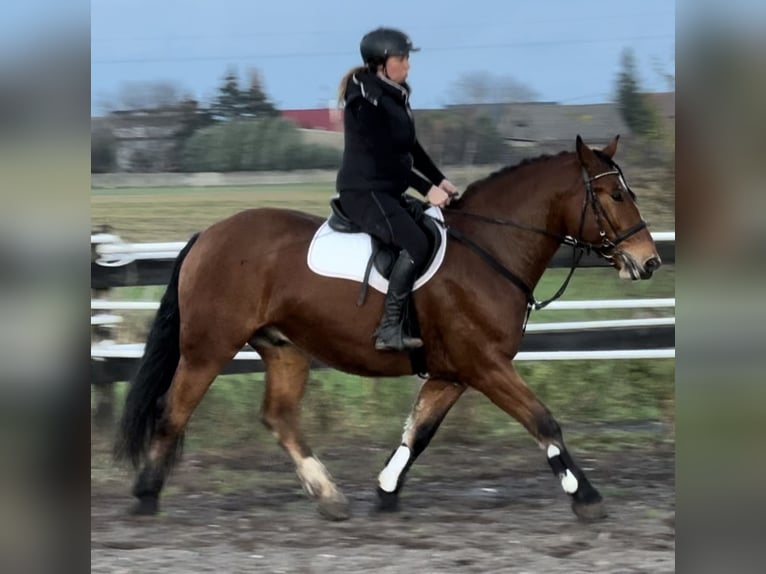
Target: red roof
x,y
329,119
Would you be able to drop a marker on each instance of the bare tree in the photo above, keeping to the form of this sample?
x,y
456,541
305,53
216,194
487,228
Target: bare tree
x,y
146,96
482,87
661,70
508,89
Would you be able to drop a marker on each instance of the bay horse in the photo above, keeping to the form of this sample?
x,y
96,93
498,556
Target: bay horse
x,y
245,280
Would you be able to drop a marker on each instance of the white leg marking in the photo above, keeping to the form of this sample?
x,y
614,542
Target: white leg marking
x,y
569,482
315,478
407,429
389,476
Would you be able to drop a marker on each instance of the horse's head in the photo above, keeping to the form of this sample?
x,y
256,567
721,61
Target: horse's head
x,y
609,218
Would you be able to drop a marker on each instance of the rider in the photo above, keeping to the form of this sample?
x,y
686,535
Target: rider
x,y
381,150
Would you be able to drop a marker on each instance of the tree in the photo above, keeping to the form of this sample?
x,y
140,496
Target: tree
x,y
460,138
473,138
253,144
191,118
256,102
145,96
483,87
225,106
102,151
661,71
233,102
637,112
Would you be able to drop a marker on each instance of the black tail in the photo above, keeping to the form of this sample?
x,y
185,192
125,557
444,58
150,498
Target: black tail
x,y
143,405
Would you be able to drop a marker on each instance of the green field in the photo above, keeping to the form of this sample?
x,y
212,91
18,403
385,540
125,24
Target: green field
x,y
578,390
173,214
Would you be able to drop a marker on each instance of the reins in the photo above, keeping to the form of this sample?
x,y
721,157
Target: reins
x,y
579,247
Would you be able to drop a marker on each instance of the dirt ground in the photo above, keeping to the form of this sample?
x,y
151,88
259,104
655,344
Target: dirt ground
x,y
473,507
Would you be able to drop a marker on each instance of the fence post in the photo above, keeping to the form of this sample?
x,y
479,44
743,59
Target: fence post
x,y
103,387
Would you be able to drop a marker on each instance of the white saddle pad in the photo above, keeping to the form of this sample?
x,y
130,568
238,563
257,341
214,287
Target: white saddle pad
x,y
345,255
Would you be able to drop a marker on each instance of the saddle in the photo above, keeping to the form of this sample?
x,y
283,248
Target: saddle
x,y
383,255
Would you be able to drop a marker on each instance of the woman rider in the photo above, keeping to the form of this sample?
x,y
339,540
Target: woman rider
x,y
381,152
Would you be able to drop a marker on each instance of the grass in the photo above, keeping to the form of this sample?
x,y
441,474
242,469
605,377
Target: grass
x,y
174,213
588,398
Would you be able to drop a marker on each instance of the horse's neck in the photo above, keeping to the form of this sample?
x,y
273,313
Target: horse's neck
x,y
527,202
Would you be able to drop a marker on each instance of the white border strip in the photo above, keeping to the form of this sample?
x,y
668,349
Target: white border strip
x,y
106,319
596,355
136,351
610,304
103,305
608,324
170,247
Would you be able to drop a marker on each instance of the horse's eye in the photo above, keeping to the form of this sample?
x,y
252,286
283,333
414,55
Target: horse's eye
x,y
617,195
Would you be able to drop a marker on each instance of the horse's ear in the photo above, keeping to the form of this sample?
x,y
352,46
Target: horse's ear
x,y
584,153
611,147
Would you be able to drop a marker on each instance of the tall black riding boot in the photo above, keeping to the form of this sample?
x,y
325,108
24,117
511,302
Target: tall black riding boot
x,y
390,335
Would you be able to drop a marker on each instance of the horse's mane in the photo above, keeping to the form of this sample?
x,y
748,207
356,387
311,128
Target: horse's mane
x,y
504,171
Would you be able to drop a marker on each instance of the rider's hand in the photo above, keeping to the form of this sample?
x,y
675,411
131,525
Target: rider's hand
x,y
449,187
437,196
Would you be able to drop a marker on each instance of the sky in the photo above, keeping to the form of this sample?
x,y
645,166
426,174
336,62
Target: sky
x,y
565,51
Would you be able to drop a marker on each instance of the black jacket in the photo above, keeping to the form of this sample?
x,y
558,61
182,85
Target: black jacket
x,y
381,148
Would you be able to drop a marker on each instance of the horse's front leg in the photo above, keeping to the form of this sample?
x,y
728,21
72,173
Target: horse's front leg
x,y
505,387
434,400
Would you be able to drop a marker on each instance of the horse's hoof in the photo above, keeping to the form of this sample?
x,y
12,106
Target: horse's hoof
x,y
589,512
145,507
334,508
387,501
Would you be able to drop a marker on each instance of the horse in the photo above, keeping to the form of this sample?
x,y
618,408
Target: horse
x,y
244,280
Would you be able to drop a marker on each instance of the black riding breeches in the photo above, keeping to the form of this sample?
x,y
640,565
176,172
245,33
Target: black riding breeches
x,y
384,217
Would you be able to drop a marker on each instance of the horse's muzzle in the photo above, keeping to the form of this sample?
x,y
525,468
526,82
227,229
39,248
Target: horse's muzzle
x,y
631,269
650,266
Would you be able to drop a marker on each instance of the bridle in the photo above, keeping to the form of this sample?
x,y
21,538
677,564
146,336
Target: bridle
x,y
605,248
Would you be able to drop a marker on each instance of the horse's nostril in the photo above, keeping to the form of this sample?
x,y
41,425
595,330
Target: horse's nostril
x,y
652,264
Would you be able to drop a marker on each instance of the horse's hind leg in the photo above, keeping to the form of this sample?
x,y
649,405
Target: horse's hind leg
x,y
505,387
190,382
434,400
287,369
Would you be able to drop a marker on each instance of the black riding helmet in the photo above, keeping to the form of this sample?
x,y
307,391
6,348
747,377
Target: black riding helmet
x,y
378,45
